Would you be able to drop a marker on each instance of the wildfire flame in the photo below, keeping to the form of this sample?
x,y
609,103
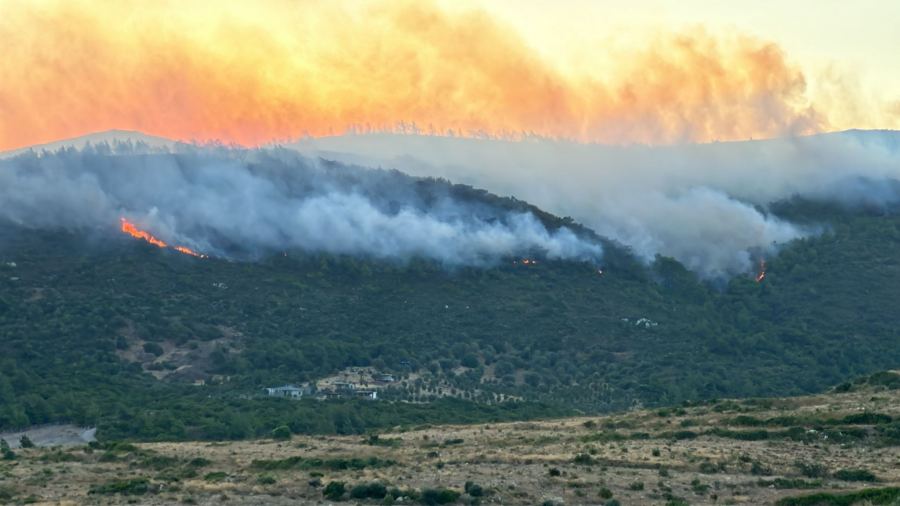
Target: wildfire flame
x,y
189,251
762,271
132,230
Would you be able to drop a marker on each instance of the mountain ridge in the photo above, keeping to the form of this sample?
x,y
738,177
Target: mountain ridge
x,y
556,332
99,325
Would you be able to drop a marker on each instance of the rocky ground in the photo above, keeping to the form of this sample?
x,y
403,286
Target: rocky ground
x,y
728,452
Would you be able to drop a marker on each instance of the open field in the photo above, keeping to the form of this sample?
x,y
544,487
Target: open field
x,y
726,452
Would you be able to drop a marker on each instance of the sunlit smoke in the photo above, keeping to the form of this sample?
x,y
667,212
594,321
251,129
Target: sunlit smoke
x,y
704,205
255,72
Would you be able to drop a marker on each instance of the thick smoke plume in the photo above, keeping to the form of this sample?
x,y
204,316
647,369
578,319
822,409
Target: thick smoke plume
x,y
704,205
239,203
251,72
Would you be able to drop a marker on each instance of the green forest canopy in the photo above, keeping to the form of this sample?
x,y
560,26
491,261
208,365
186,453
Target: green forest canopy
x,y
553,334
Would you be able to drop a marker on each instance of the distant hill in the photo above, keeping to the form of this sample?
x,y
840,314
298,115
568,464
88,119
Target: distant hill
x,y
108,137
97,325
86,320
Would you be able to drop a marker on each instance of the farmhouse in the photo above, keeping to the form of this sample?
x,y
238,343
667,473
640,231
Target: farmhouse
x,y
366,394
383,378
289,391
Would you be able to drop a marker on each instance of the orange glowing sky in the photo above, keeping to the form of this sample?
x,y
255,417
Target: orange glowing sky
x,y
254,72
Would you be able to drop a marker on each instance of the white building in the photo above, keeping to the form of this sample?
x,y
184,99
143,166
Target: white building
x,y
290,391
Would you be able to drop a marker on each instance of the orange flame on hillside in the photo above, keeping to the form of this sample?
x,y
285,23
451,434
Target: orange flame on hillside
x,y
132,230
188,251
762,271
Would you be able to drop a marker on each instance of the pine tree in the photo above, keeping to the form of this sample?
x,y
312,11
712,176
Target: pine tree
x,y
25,442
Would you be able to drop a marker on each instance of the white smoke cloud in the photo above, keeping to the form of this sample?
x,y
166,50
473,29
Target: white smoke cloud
x,y
704,205
221,202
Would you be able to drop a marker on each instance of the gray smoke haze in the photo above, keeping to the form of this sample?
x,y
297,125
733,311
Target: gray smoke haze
x,y
248,202
704,205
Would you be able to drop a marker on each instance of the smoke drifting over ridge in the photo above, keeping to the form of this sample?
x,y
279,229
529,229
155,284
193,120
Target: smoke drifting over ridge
x,y
704,205
240,203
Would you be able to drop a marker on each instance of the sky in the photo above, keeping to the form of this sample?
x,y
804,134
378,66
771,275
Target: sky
x,y
641,72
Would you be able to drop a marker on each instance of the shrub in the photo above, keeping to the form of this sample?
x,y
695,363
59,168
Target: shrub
x,y
153,348
281,433
199,462
6,493
215,477
136,486
372,490
334,490
873,495
708,468
811,469
855,475
746,420
603,437
636,486
335,464
25,442
605,493
583,459
157,462
59,456
431,496
758,469
867,418
554,472
474,489
744,435
8,454
119,447
699,487
266,479
397,494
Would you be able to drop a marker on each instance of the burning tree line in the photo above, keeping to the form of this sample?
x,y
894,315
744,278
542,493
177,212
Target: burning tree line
x,y
132,230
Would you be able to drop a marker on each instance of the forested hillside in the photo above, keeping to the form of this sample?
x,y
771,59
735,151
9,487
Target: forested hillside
x,y
562,336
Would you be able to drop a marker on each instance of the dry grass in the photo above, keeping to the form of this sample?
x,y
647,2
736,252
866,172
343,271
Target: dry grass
x,y
518,463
